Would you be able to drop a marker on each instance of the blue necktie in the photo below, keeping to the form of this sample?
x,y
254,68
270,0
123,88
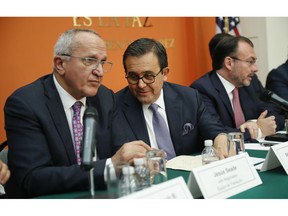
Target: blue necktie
x,y
161,132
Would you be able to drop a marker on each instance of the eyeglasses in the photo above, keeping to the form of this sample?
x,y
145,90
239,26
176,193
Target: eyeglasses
x,y
93,63
250,62
147,78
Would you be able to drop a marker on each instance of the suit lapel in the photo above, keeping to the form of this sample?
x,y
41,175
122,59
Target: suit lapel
x,y
222,94
173,109
58,115
135,117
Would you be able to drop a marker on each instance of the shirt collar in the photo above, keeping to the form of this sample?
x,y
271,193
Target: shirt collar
x,y
229,87
160,101
66,98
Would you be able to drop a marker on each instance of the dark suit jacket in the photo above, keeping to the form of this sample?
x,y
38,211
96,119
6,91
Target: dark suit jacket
x,y
189,122
218,103
277,81
41,154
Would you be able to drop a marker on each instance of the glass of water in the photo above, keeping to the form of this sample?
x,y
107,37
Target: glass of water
x,y
156,161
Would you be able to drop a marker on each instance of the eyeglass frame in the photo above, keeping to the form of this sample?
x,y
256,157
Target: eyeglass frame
x,y
84,59
152,75
251,62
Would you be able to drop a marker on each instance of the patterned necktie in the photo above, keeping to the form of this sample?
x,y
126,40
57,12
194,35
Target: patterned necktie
x,y
161,132
77,129
238,113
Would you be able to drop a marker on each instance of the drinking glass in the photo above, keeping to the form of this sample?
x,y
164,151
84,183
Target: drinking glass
x,y
235,143
113,175
156,161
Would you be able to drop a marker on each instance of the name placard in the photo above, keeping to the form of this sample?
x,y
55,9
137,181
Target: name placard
x,y
172,189
224,178
276,156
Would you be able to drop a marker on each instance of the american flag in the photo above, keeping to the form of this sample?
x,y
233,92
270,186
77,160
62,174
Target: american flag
x,y
228,24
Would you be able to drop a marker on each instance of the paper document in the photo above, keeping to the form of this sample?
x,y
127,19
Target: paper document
x,y
259,166
256,160
256,146
184,162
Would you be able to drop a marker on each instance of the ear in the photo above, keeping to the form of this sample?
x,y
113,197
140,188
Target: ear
x,y
58,64
165,73
228,62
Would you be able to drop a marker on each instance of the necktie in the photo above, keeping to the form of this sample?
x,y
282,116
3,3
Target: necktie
x,y
238,113
77,129
161,132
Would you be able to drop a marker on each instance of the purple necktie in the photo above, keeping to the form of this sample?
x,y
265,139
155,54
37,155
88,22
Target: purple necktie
x,y
77,129
161,132
238,113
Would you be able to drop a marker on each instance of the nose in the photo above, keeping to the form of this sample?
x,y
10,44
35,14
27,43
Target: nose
x,y
141,84
255,68
98,71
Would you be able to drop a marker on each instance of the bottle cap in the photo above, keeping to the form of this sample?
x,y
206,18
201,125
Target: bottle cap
x,y
139,161
208,142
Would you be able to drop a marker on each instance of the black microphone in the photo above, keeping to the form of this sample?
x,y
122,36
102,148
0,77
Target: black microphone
x,y
270,96
89,137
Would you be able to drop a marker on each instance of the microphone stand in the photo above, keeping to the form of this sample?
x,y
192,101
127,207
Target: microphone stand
x,y
286,121
91,183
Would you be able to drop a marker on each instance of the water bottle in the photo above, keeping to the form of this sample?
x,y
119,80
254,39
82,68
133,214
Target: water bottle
x,y
142,173
209,154
128,183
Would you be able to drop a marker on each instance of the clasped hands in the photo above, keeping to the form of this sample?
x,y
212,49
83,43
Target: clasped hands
x,y
267,126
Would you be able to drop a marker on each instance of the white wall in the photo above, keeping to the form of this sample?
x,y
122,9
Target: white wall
x,y
270,38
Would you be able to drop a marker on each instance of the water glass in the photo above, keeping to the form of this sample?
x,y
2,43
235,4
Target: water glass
x,y
235,143
156,161
113,176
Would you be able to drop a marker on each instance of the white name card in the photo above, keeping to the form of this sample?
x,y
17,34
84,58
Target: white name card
x,y
276,156
224,178
172,189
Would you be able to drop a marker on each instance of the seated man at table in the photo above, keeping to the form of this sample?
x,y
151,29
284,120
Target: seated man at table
x,y
228,94
43,122
149,99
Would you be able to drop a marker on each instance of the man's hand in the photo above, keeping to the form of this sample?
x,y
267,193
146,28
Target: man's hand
x,y
4,173
252,127
220,144
267,125
129,151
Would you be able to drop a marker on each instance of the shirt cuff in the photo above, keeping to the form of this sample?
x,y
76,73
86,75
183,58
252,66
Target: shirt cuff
x,y
2,191
108,161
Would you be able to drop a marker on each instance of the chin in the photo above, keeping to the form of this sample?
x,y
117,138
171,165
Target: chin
x,y
144,100
247,83
92,93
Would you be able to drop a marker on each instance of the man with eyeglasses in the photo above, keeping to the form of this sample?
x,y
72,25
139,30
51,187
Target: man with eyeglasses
x,y
229,95
184,113
44,125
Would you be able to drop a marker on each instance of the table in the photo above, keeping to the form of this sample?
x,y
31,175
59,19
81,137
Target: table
x,y
274,186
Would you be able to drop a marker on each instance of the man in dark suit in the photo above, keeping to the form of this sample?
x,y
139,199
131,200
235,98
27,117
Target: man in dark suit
x,y
38,121
186,117
234,66
277,80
